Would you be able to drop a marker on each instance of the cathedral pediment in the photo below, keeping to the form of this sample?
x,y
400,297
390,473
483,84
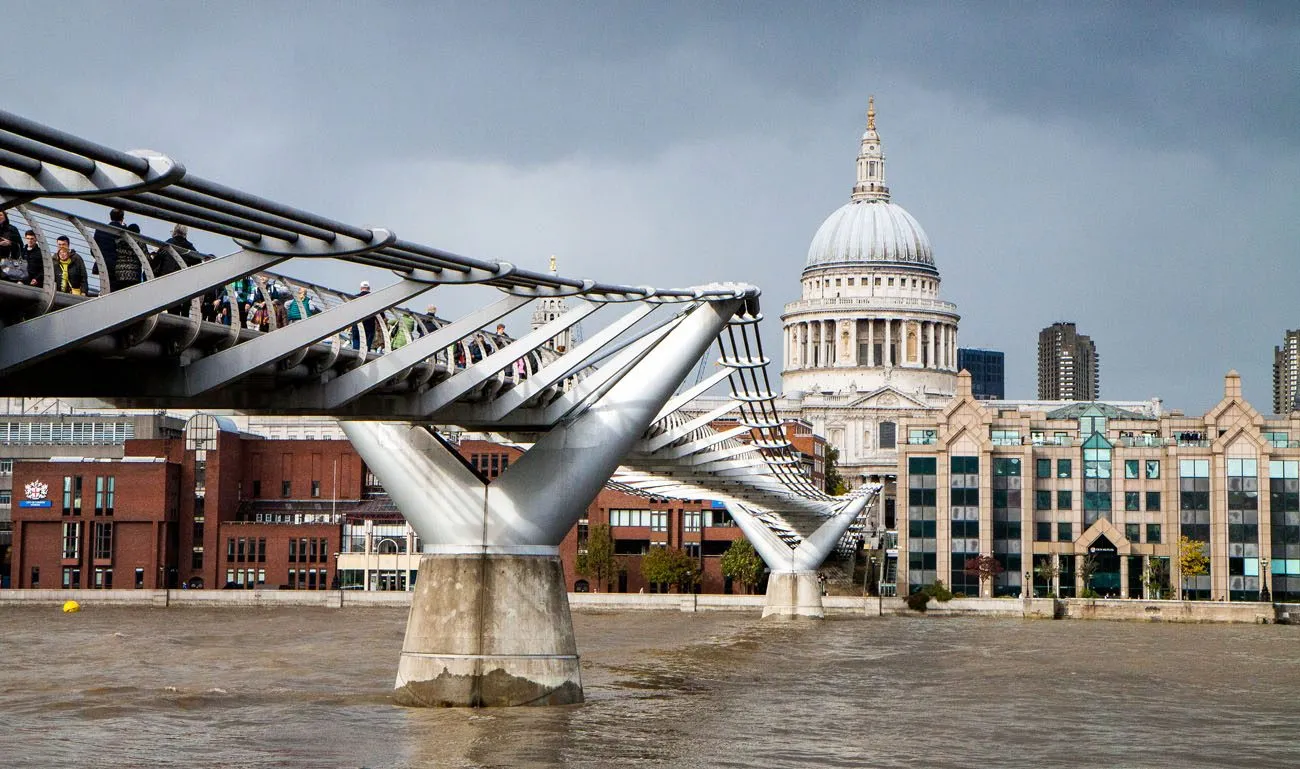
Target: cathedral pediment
x,y
887,398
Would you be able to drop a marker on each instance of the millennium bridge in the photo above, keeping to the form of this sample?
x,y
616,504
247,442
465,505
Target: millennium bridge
x,y
490,621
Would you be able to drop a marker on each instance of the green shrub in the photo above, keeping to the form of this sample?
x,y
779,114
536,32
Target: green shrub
x,y
1088,592
917,601
938,591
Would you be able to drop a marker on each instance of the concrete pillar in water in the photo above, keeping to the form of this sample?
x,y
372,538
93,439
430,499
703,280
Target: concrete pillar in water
x,y
490,622
487,631
793,589
794,595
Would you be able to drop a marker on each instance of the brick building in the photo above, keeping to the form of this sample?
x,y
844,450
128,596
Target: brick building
x,y
213,507
95,523
188,511
637,524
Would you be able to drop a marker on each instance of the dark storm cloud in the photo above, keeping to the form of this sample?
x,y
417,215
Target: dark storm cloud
x,y
1128,166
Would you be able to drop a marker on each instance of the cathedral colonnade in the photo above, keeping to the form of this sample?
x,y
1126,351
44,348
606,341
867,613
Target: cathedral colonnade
x,y
871,342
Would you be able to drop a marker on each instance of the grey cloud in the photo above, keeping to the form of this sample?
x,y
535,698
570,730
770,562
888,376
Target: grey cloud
x,y
1128,166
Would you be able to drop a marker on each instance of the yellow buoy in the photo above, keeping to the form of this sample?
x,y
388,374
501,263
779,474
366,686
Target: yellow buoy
x,y
70,607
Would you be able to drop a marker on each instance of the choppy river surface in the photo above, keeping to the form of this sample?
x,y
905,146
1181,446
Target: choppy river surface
x,y
310,688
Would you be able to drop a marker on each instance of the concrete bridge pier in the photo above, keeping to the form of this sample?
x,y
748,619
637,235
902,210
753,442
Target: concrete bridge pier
x,y
490,622
794,595
793,590
489,630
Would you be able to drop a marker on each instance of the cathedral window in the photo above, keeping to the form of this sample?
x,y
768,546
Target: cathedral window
x,y
887,435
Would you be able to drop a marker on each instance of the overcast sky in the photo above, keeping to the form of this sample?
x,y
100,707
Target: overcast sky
x,y
1131,167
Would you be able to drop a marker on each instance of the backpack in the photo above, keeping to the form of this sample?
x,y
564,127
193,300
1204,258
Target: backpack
x,y
14,269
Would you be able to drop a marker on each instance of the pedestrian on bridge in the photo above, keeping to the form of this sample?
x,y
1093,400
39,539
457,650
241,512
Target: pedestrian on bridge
x,y
35,259
10,240
300,307
69,270
369,326
126,269
106,239
402,331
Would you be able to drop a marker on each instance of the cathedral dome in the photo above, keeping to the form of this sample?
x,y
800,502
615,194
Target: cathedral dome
x,y
869,228
870,231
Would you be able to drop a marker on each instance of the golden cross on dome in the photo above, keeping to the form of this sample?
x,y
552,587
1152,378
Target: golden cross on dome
x,y
552,262
871,113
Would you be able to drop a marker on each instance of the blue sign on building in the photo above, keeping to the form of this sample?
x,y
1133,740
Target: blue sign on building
x,y
35,503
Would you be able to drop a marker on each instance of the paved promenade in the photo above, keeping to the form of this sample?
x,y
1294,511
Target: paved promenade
x,y
836,606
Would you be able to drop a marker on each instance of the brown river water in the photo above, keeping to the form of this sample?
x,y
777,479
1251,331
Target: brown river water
x,y
309,688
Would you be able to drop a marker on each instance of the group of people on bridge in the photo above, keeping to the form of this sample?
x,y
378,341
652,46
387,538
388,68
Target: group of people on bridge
x,y
261,302
23,261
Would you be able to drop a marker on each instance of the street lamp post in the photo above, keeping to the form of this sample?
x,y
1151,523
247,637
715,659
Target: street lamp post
x,y
1263,581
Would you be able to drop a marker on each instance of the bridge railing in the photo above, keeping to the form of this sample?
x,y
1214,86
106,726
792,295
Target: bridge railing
x,y
259,303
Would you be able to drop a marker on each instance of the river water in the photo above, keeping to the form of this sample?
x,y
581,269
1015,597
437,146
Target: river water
x,y
310,688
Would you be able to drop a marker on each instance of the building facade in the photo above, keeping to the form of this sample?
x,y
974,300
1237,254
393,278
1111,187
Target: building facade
x,y
1068,366
1093,496
987,371
42,428
700,528
1286,374
192,510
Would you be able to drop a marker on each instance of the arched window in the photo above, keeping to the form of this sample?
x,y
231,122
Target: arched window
x,y
581,586
887,435
387,546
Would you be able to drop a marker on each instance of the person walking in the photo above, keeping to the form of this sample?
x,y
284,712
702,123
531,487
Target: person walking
x,y
402,331
10,241
106,240
126,269
69,270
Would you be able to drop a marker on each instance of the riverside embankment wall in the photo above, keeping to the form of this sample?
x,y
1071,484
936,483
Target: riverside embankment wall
x,y
836,606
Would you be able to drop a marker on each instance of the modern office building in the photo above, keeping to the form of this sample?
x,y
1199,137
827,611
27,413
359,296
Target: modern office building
x,y
1068,366
1286,374
987,371
1096,495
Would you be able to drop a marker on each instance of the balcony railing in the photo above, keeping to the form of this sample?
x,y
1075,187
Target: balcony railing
x,y
887,302
1144,441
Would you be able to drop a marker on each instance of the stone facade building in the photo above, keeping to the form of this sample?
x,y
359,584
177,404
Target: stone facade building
x,y
869,342
1051,489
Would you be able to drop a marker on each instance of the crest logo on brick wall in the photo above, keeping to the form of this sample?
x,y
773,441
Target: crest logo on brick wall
x,y
36,490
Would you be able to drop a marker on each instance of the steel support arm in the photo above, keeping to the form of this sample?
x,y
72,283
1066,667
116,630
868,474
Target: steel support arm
x,y
456,386
569,364
683,398
591,388
241,360
686,449
778,555
362,380
34,340
681,431
584,453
